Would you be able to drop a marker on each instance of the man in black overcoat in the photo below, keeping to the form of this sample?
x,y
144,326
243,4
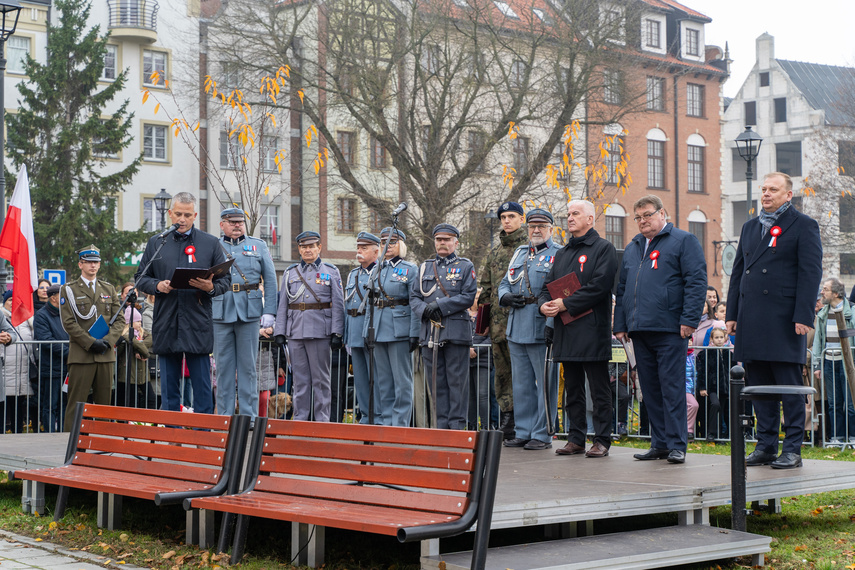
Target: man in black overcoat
x,y
770,308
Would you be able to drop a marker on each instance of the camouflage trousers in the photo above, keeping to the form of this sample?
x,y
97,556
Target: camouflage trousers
x,y
503,383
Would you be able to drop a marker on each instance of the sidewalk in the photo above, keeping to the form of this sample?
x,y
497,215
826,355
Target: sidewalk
x,y
18,551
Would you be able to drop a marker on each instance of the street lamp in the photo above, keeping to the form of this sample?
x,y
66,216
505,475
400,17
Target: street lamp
x,y
748,143
492,216
9,12
160,202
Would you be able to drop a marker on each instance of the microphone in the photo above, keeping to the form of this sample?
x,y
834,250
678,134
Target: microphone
x,y
169,230
401,207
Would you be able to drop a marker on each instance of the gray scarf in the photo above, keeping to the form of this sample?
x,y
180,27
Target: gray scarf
x,y
768,220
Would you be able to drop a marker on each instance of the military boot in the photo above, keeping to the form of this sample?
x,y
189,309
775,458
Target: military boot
x,y
506,424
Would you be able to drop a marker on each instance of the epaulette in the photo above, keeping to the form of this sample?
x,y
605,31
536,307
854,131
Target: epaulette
x,y
329,265
292,266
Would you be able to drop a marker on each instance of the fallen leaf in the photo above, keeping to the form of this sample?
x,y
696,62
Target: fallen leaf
x,y
169,555
800,548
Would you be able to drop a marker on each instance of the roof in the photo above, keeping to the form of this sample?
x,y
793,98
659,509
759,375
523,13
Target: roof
x,y
824,87
670,5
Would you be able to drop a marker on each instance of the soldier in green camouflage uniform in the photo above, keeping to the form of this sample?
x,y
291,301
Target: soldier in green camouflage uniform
x,y
495,266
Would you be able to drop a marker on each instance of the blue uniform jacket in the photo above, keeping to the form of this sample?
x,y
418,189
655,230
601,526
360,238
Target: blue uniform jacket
x,y
458,277
526,325
325,280
354,293
399,322
773,288
664,298
252,258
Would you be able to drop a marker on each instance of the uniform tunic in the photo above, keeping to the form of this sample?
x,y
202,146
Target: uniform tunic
x,y
354,323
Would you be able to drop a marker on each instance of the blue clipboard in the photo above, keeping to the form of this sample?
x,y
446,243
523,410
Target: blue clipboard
x,y
100,329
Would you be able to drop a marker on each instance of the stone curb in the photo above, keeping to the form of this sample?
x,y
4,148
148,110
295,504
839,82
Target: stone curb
x,y
80,555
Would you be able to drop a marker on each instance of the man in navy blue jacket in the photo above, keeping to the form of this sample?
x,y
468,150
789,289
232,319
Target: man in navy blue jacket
x,y
660,298
770,307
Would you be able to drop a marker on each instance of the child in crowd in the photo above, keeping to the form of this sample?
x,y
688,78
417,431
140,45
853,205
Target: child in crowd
x,y
713,383
691,402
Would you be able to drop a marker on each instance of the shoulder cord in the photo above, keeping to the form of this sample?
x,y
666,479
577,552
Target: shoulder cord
x,y
355,287
70,297
514,280
295,296
421,280
306,285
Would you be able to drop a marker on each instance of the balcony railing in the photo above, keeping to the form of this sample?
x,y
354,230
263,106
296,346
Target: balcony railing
x,y
133,19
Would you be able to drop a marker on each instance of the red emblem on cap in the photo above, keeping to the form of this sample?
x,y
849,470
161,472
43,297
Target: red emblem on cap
x,y
654,255
775,232
190,251
582,260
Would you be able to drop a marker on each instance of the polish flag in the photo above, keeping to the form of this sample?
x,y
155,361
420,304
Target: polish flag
x,y
18,245
273,233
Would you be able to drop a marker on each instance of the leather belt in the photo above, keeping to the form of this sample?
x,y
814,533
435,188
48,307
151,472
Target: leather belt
x,y
354,313
309,306
530,300
244,287
383,303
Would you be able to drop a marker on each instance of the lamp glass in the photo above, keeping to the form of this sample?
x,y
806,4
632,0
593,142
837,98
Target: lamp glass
x,y
9,10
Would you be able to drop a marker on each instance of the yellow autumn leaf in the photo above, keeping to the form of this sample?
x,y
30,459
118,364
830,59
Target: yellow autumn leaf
x,y
156,108
300,93
266,190
145,95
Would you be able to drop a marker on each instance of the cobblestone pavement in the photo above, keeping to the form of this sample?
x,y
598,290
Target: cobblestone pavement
x,y
18,551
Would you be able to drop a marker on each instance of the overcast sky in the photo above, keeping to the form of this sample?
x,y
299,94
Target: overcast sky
x,y
816,31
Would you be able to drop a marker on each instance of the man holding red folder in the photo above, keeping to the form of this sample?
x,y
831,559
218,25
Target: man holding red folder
x,y
583,342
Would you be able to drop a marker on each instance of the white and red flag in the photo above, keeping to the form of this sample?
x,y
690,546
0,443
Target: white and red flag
x,y
18,246
273,232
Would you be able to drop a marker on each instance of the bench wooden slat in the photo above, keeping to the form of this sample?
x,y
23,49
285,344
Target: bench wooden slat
x,y
143,415
155,468
386,454
215,438
378,434
212,457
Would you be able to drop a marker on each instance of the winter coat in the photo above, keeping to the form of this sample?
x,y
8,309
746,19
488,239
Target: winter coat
x,y
54,356
714,370
18,358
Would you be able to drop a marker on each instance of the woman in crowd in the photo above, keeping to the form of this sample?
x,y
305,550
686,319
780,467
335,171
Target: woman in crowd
x,y
19,364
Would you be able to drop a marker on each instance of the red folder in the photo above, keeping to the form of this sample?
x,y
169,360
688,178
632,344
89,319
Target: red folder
x,y
565,287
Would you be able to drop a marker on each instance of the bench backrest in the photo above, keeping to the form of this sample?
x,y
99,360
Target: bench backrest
x,y
174,445
409,468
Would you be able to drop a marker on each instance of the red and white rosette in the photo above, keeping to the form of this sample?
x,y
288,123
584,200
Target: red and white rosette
x,y
191,253
654,255
774,232
582,260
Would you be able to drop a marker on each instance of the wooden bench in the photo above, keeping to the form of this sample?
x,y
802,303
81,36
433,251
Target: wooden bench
x,y
158,455
416,484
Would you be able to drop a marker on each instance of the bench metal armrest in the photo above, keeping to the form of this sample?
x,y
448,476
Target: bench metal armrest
x,y
774,392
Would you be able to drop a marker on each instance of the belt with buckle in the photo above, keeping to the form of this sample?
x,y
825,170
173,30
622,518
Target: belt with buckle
x,y
833,352
244,287
354,313
309,306
383,303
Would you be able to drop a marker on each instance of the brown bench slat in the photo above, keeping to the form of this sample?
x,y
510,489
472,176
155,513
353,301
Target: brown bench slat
x,y
155,468
386,454
142,415
378,434
215,438
213,457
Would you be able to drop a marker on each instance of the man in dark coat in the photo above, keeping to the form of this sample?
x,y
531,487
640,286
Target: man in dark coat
x,y
183,322
770,308
584,345
47,325
660,297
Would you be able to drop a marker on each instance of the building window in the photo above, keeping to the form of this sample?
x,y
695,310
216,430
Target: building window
x,y
847,263
98,148
654,36
739,166
518,71
269,148
655,94
269,223
111,63
655,164
345,217
506,9
764,79
154,142
151,217
520,155
378,154
788,158
693,42
154,61
17,50
430,58
750,113
694,100
376,222
611,86
699,230
781,110
696,168
614,230
476,146
346,81
846,158
347,146
230,76
613,160
231,151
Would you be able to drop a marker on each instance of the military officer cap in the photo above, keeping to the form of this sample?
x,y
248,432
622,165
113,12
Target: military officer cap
x,y
398,234
308,238
539,215
233,214
90,253
446,229
365,238
53,290
511,207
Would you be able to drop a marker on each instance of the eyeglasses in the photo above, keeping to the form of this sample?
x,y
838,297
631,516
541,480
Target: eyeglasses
x,y
646,216
541,227
235,222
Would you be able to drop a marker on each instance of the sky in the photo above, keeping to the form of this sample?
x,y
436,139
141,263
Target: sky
x,y
813,31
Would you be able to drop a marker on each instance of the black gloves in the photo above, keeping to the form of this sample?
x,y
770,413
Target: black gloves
x,y
433,312
280,339
336,342
100,346
511,300
414,343
548,333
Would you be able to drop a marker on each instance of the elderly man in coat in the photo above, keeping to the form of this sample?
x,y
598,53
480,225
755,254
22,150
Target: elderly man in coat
x,y
770,308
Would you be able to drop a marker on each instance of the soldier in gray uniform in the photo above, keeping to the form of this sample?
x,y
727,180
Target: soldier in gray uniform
x,y
310,318
396,332
367,250
528,332
236,314
440,297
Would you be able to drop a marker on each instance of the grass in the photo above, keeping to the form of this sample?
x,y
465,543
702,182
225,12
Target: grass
x,y
813,531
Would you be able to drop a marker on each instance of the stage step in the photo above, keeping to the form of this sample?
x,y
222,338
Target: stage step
x,y
648,548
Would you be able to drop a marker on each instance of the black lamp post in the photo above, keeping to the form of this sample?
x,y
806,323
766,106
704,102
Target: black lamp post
x,y
492,216
748,143
161,200
9,12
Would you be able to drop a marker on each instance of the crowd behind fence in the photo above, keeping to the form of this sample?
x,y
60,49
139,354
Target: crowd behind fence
x,y
35,401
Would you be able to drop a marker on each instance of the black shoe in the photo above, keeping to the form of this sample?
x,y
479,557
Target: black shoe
x,y
515,442
677,456
534,444
758,457
506,424
787,461
652,453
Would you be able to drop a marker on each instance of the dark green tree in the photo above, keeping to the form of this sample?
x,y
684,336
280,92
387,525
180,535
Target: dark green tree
x,y
63,134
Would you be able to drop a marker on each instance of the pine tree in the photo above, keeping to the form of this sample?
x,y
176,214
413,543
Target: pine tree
x,y
62,133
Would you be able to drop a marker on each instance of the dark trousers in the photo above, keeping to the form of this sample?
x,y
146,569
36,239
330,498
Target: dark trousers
x,y
661,359
452,384
95,376
574,400
768,412
199,367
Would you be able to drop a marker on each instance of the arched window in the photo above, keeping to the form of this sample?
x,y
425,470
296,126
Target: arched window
x,y
615,219
616,131
656,158
698,227
696,162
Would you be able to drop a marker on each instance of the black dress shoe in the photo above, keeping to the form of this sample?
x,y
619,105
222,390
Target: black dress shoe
x,y
534,444
652,453
787,461
758,457
515,442
677,456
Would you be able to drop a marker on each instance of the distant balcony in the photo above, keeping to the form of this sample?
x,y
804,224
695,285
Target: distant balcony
x,y
133,19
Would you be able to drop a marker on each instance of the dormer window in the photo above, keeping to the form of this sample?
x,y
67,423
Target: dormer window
x,y
693,42
543,16
505,9
653,33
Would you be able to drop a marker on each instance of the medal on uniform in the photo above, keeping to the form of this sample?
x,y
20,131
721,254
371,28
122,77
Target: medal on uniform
x,y
654,255
582,260
191,253
775,232
317,279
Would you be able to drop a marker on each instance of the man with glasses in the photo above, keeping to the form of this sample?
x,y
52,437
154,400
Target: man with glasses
x,y
236,313
660,297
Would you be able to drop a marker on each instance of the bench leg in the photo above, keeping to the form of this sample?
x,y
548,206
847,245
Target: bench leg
x,y
61,503
771,506
200,527
226,526
109,511
758,560
33,498
580,528
696,516
240,538
307,544
557,530
430,547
